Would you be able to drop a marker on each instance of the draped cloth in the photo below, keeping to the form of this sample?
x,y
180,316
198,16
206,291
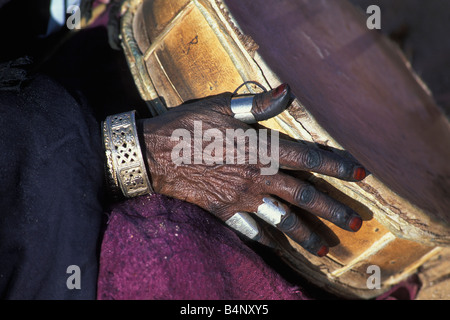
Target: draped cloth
x,y
156,247
51,182
161,248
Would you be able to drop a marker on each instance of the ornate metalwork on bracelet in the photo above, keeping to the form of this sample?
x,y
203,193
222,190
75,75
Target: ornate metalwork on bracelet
x,y
126,171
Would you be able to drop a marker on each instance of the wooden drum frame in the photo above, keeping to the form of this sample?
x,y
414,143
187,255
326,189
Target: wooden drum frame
x,y
356,94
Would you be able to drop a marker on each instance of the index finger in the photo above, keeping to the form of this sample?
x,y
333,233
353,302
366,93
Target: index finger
x,y
298,156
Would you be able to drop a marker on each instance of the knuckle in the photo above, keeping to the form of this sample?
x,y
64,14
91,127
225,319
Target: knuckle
x,y
311,159
305,195
241,189
289,223
250,172
216,208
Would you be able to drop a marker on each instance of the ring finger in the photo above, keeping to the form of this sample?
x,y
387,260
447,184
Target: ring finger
x,y
278,215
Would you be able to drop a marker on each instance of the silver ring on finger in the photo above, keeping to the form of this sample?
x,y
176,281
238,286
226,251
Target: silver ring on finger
x,y
241,106
272,211
245,224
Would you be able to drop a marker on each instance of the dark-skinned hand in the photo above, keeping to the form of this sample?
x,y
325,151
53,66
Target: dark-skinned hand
x,y
225,189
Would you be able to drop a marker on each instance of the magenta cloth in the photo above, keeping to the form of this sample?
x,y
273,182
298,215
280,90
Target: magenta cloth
x,y
156,247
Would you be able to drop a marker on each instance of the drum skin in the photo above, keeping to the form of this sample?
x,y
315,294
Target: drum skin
x,y
356,95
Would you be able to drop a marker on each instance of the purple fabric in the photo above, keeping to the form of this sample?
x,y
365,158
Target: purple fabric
x,y
155,247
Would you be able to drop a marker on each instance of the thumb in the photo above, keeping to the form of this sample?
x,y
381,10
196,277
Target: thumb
x,y
263,106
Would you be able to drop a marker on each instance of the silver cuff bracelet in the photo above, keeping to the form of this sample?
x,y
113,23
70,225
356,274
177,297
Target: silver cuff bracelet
x,y
125,166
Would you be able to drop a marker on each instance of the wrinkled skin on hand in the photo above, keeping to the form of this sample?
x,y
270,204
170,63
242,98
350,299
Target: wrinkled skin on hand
x,y
227,188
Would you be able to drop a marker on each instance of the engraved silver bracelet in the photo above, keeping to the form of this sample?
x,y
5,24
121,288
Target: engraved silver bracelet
x,y
125,167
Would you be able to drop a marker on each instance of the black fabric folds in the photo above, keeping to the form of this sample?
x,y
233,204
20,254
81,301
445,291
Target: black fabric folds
x,y
51,182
